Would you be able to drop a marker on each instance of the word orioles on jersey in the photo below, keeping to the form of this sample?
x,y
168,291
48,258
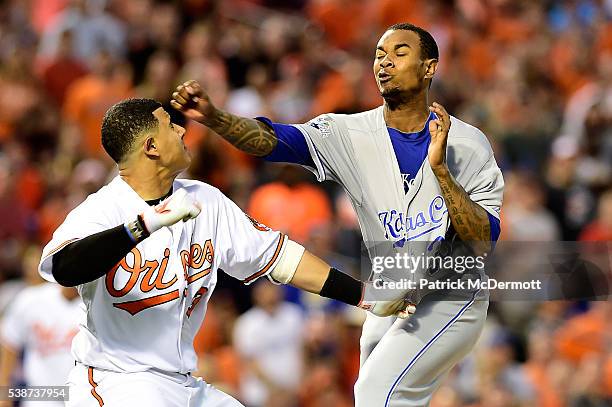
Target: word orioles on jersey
x,y
153,273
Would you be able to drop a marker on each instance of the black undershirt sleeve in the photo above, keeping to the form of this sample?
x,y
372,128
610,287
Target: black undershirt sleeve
x,y
91,257
342,287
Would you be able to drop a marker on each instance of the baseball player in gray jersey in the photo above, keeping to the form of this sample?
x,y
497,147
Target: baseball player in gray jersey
x,y
416,177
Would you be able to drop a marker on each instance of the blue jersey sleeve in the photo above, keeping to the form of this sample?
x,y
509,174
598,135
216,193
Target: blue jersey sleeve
x,y
495,229
291,146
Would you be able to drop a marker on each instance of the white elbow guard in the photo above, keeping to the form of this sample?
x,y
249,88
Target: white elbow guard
x,y
288,262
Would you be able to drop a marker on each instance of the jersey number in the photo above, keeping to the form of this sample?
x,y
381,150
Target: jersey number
x,y
196,300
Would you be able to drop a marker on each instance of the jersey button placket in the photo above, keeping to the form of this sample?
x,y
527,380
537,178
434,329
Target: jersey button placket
x,y
176,232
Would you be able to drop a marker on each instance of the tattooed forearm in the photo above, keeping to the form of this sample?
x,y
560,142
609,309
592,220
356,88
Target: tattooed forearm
x,y
249,135
469,219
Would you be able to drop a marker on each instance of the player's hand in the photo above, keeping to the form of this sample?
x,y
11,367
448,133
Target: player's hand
x,y
178,206
193,101
438,129
401,307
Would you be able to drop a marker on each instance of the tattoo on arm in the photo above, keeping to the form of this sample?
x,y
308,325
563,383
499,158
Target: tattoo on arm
x,y
249,135
468,218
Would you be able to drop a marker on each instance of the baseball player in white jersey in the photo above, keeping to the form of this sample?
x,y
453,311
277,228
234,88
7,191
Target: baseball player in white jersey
x,y
144,252
40,321
419,186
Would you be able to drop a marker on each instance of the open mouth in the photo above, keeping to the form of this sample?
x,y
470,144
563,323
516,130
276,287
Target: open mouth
x,y
384,77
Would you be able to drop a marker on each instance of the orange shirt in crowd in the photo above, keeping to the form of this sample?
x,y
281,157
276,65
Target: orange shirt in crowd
x,y
588,334
334,93
330,15
546,395
480,58
87,99
507,29
582,335
391,12
293,210
564,59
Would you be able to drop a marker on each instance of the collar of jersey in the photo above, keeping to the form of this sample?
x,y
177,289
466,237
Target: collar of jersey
x,y
130,197
154,202
423,133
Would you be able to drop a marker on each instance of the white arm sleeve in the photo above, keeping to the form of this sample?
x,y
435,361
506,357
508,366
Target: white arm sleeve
x,y
288,262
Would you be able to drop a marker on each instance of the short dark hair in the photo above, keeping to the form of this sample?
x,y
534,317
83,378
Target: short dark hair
x,y
123,122
429,48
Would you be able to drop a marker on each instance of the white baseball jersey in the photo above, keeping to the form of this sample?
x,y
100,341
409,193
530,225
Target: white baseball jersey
x,y
42,322
144,313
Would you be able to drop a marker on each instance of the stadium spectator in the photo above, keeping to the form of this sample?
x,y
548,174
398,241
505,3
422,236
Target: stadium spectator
x,y
268,339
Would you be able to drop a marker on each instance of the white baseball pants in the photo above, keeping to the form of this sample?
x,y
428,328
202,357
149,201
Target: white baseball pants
x,y
90,387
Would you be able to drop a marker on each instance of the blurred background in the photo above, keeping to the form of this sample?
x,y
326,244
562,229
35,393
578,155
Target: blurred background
x,y
535,76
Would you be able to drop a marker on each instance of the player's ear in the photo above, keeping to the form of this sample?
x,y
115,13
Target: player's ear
x,y
149,146
430,68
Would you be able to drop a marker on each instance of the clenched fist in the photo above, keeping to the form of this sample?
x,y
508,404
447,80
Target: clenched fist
x,y
193,101
178,206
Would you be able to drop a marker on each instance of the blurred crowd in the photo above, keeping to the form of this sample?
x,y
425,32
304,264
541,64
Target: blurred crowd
x,y
535,76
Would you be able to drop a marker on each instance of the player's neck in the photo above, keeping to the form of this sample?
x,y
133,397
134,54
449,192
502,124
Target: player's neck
x,y
69,293
149,185
408,116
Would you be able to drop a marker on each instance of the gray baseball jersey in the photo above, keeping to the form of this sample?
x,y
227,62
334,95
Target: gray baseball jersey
x,y
403,361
